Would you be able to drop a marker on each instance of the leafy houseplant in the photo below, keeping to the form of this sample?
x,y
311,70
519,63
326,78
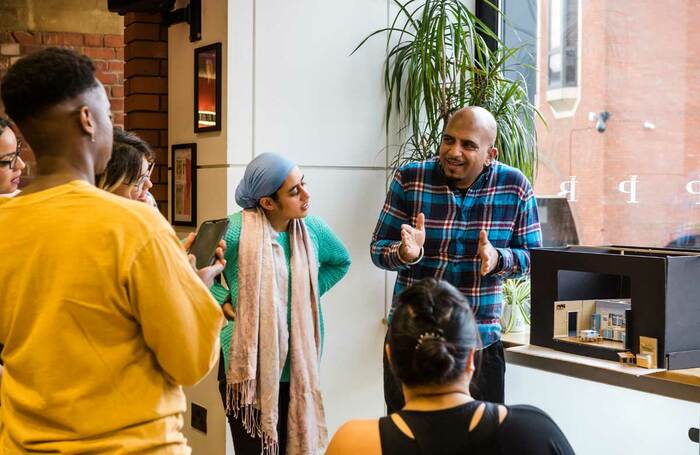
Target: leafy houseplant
x,y
516,305
438,61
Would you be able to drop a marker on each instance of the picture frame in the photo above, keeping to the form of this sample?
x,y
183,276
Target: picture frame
x,y
183,184
207,88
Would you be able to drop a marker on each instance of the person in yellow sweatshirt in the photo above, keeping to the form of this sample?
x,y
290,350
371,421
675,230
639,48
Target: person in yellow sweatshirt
x,y
101,316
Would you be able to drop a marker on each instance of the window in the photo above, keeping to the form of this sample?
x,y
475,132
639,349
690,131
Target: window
x,y
620,143
562,63
518,28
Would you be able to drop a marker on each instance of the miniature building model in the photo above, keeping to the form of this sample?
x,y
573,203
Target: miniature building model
x,y
626,357
610,318
627,294
592,320
589,335
570,317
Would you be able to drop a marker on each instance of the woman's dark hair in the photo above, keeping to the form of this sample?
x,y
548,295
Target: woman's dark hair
x,y
432,331
3,124
128,152
44,79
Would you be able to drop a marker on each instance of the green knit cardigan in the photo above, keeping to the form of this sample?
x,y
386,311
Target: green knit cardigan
x,y
331,255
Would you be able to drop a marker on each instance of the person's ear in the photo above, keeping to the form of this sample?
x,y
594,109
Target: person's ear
x,y
87,122
492,154
470,362
388,352
267,203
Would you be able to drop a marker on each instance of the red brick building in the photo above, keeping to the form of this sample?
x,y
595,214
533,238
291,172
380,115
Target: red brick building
x,y
640,62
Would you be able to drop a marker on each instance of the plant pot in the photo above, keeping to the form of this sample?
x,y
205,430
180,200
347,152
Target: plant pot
x,y
512,319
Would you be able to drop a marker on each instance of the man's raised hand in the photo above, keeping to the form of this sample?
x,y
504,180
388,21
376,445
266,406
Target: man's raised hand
x,y
412,239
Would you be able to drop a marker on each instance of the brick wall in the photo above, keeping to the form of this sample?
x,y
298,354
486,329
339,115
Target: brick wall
x,y
106,50
146,88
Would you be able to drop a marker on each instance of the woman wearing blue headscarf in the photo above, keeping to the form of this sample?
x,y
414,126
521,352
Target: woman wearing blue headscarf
x,y
279,262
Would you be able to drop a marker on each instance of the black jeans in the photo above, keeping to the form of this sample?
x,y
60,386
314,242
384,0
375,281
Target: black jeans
x,y
244,443
487,384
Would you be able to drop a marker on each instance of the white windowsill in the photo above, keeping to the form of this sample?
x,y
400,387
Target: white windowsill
x,y
563,101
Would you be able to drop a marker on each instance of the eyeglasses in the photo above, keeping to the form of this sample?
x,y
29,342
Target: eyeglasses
x,y
10,159
143,177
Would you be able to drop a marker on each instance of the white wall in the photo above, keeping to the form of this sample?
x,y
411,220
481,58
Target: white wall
x,y
599,418
212,183
323,108
290,86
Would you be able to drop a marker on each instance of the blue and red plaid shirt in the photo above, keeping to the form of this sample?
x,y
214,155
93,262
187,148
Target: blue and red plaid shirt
x,y
500,200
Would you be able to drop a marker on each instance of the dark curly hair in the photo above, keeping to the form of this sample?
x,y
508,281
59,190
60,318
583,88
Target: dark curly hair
x,y
44,79
432,331
128,151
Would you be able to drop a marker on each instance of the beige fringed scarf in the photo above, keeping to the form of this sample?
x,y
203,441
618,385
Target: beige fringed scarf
x,y
260,340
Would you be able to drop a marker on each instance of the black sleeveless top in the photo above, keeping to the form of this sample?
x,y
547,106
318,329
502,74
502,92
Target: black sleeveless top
x,y
525,430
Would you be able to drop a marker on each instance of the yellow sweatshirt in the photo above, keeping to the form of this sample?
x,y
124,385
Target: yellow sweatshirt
x,y
102,320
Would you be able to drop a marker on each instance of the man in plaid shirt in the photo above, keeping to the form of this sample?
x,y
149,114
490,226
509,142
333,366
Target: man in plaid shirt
x,y
465,218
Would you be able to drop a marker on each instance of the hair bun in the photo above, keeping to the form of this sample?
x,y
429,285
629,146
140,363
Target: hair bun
x,y
433,358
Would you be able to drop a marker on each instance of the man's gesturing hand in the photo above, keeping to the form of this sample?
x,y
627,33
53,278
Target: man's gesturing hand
x,y
412,239
487,253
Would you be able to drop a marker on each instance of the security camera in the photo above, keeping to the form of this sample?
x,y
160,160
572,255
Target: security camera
x,y
602,118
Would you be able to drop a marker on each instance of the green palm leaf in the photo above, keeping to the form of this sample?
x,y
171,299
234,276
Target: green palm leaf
x,y
437,62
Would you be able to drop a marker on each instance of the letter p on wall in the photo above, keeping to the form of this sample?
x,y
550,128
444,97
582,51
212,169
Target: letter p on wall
x,y
629,187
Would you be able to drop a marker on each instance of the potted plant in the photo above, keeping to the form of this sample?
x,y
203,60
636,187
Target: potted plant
x,y
515,316
438,61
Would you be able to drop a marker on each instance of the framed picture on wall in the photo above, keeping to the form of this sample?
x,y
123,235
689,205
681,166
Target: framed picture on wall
x,y
184,184
207,88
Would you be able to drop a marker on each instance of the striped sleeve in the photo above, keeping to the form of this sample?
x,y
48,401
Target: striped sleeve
x,y
526,235
386,239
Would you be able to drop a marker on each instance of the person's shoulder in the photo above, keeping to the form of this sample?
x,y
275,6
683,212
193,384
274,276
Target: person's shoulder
x,y
510,180
233,233
530,427
236,218
528,411
235,221
318,229
417,170
418,166
510,175
316,224
356,436
127,215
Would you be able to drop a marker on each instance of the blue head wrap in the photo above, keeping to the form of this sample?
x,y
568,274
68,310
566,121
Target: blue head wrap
x,y
263,176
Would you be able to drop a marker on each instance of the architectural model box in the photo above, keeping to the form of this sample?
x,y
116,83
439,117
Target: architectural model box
x,y
623,293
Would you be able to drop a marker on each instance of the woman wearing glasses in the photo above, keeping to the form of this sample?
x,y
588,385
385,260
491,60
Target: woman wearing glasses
x,y
11,165
128,173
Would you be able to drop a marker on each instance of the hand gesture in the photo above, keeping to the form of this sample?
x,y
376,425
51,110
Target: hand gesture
x,y
412,239
487,253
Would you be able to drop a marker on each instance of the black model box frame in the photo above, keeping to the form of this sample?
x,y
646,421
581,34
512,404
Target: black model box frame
x,y
662,283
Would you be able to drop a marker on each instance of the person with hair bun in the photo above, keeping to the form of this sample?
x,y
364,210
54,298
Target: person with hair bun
x,y
431,345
